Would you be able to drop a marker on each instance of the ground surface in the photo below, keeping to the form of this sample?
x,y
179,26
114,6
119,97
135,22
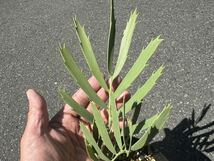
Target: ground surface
x,y
30,32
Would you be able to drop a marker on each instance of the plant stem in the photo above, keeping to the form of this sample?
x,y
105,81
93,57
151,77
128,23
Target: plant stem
x,y
117,155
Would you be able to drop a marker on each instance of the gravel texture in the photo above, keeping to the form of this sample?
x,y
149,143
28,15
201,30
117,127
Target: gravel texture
x,y
30,33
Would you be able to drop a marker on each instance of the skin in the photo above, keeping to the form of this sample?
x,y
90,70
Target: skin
x,y
60,138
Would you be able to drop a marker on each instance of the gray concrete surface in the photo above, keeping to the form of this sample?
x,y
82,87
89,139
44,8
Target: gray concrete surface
x,y
30,32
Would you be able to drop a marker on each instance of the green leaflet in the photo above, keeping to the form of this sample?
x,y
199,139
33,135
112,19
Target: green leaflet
x,y
136,128
111,38
92,142
125,43
90,151
136,112
131,128
115,120
144,90
142,141
89,54
130,135
95,132
155,124
102,130
76,107
77,74
138,66
148,122
163,116
124,124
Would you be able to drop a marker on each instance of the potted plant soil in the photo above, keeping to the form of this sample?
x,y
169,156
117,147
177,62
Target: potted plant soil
x,y
111,142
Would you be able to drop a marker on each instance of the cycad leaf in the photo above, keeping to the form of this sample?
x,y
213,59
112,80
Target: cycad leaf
x,y
154,125
144,90
111,38
92,142
89,54
125,43
115,121
102,130
80,78
138,66
76,107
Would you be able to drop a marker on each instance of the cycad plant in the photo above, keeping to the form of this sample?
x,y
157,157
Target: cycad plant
x,y
110,141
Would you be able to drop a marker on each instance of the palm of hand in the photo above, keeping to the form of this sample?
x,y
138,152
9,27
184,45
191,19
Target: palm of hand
x,y
56,140
60,138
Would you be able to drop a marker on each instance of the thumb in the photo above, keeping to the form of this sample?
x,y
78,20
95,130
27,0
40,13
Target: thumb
x,y
37,122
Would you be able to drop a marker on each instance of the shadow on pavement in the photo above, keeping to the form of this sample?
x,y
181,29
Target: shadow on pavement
x,y
188,141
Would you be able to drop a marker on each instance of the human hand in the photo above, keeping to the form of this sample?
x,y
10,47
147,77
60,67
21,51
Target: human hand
x,y
60,138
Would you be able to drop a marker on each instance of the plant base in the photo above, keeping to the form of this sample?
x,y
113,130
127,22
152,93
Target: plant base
x,y
148,153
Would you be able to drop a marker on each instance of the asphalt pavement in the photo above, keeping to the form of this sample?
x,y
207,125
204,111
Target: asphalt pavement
x,y
30,34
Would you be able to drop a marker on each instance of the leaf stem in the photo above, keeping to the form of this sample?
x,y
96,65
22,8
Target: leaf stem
x,y
117,155
109,104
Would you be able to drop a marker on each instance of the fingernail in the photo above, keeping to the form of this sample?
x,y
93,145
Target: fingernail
x,y
28,92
